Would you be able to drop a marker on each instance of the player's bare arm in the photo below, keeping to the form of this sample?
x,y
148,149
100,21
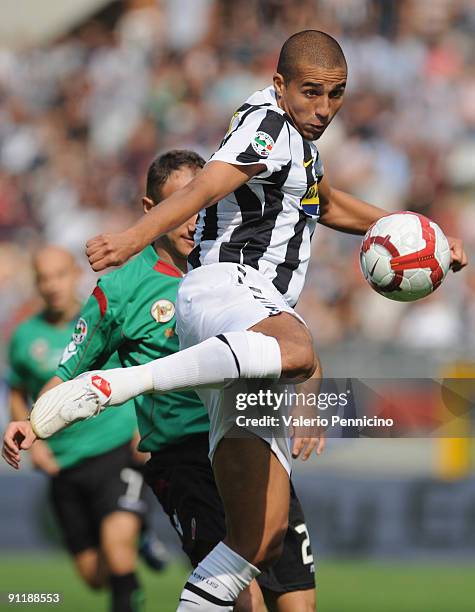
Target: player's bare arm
x,y
19,434
215,181
41,456
346,213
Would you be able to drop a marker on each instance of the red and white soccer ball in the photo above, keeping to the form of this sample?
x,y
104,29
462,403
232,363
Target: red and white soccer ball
x,y
405,256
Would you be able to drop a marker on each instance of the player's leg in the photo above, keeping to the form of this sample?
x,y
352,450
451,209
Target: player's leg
x,y
303,601
251,473
119,535
115,500
78,531
278,346
290,584
299,360
254,488
92,568
182,479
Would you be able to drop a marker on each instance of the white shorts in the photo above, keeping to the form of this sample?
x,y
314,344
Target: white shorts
x,y
219,298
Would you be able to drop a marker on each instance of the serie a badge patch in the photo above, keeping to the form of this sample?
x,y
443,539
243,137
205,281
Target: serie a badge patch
x,y
262,143
80,331
163,311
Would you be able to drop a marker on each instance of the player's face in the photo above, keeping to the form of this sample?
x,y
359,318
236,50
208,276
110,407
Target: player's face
x,y
56,279
312,98
180,240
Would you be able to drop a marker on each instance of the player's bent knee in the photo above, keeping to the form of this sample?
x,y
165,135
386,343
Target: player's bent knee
x,y
119,531
300,362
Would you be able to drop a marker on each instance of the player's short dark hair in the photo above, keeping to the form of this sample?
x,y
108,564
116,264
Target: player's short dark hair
x,y
309,47
164,165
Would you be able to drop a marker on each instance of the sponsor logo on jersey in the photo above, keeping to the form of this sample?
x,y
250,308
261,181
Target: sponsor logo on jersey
x,y
80,331
307,163
311,201
102,384
163,311
262,144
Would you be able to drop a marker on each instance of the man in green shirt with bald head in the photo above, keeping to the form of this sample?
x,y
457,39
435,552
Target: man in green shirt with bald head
x,y
96,493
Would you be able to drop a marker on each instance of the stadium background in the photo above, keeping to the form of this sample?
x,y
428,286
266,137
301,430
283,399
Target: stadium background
x,y
90,90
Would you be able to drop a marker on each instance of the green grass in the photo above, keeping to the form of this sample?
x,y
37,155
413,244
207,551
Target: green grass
x,y
353,586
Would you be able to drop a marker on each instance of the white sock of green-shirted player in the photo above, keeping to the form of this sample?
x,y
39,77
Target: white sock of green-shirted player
x,y
216,582
210,363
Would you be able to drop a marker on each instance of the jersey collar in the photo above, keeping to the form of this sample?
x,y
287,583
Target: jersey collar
x,y
159,265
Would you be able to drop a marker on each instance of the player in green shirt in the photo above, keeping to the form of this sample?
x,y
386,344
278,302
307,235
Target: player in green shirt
x,y
131,311
95,492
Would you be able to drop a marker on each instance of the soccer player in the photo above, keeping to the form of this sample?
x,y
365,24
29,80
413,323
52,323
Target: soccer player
x,y
132,311
95,492
259,199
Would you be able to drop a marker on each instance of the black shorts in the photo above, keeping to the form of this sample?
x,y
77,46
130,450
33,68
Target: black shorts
x,y
182,480
82,496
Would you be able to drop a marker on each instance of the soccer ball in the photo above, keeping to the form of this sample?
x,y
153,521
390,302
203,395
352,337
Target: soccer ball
x,y
405,256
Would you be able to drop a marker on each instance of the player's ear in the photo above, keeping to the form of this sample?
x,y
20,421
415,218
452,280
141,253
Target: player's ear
x,y
147,204
279,84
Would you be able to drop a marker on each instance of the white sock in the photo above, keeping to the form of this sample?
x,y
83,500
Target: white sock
x,y
217,581
124,383
210,363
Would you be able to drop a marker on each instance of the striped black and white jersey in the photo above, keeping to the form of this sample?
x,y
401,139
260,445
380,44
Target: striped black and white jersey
x,y
268,222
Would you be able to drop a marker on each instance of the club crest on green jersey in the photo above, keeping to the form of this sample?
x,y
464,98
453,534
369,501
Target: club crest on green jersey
x,y
262,144
163,311
80,331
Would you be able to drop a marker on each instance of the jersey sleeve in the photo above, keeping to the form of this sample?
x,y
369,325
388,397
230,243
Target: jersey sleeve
x,y
15,375
257,137
96,336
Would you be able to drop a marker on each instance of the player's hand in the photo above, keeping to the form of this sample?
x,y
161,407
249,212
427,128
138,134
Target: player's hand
x,y
18,436
43,459
108,250
458,258
304,445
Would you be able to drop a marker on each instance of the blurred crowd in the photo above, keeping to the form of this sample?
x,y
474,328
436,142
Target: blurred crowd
x,y
81,118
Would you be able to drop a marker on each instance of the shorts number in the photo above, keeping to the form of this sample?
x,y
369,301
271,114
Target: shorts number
x,y
307,556
134,481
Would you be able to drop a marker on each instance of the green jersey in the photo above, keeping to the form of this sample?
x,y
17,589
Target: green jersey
x,y
132,311
34,353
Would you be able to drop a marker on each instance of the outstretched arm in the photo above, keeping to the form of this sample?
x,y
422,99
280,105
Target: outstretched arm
x,y
346,213
215,181
19,435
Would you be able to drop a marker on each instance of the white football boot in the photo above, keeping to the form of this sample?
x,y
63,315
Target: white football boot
x,y
71,401
85,396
